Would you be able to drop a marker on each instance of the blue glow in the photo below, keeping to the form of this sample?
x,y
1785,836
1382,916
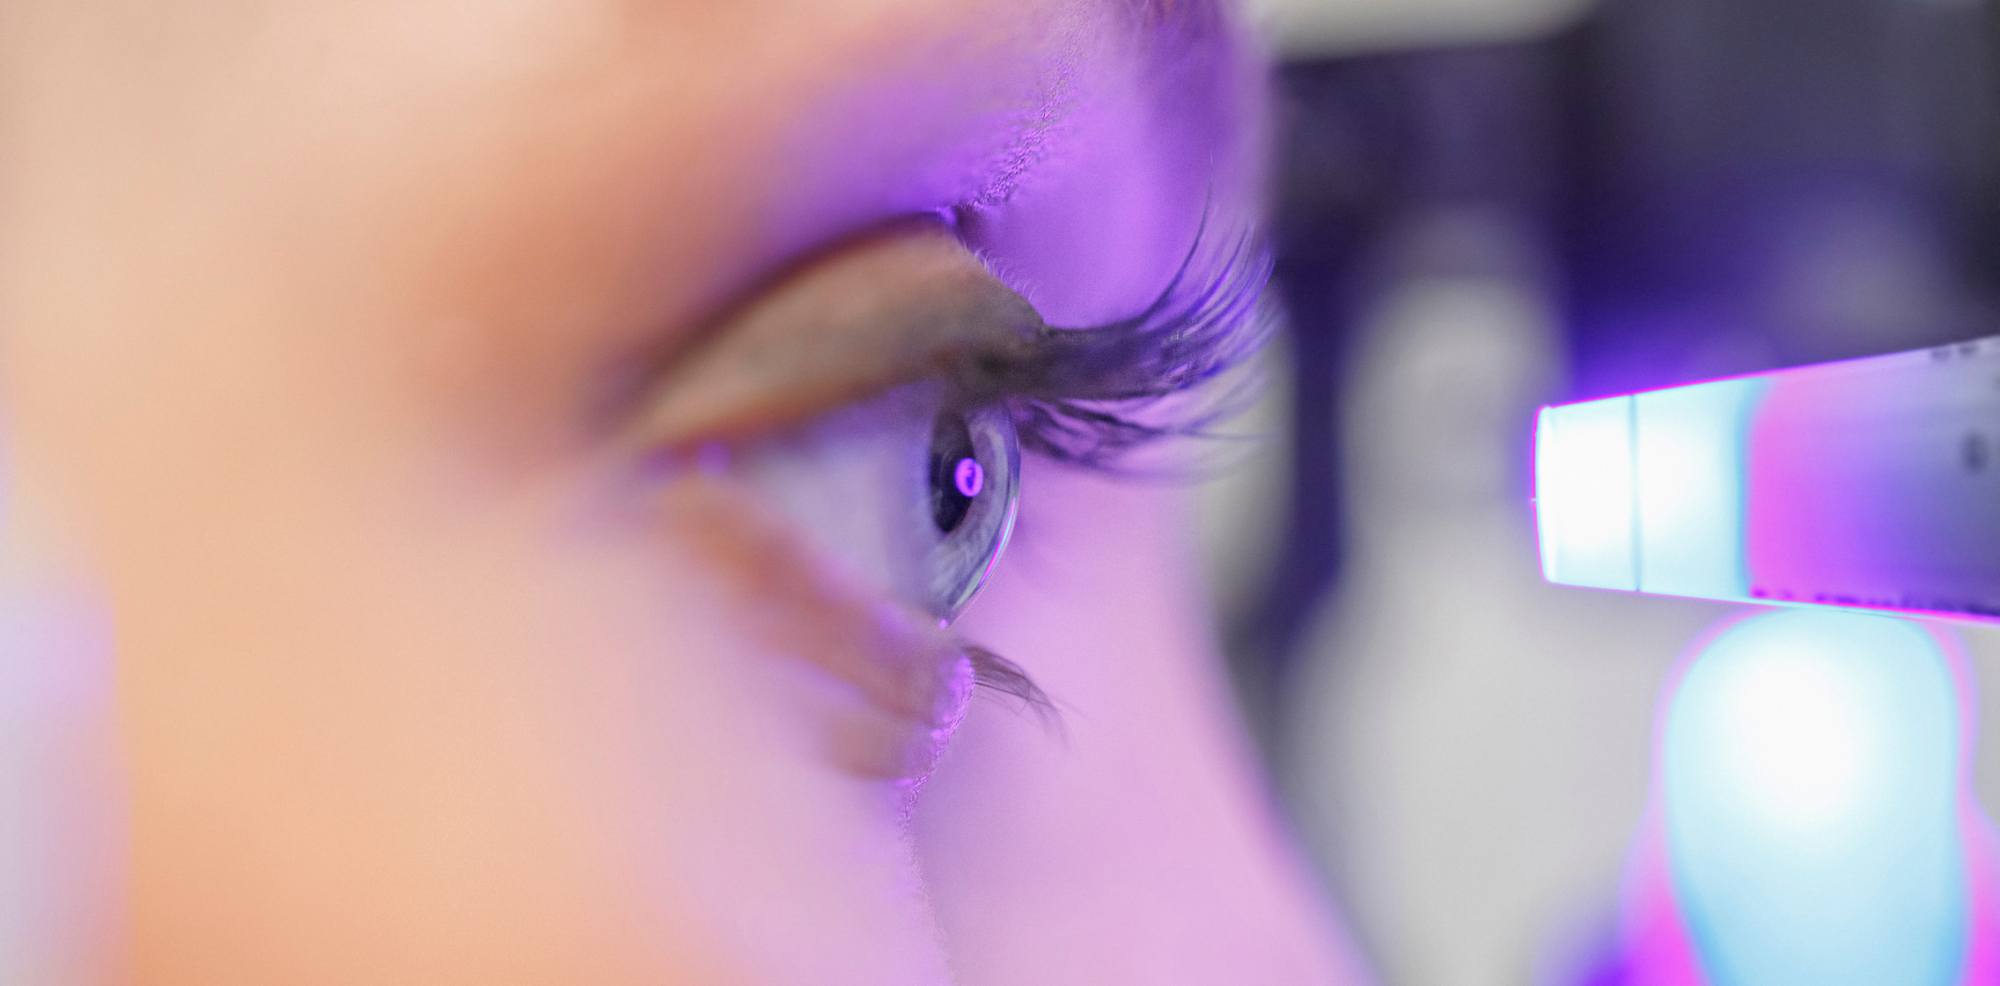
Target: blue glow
x,y
1690,451
1810,762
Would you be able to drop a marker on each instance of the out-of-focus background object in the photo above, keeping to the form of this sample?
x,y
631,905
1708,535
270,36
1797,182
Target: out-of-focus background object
x,y
1485,206
1324,28
1808,795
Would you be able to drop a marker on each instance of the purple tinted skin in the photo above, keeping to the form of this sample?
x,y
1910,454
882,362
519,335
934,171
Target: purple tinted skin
x,y
312,316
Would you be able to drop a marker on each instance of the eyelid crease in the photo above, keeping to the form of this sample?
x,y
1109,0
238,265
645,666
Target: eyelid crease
x,y
914,304
898,308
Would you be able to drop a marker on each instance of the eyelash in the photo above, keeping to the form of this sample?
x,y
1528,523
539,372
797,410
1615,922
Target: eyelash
x,y
1074,392
1077,395
995,675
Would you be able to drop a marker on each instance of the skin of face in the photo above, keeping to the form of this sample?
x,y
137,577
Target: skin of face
x,y
309,314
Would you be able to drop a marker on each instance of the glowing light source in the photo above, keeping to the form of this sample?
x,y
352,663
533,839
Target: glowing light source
x,y
1583,494
1809,778
1803,738
1646,492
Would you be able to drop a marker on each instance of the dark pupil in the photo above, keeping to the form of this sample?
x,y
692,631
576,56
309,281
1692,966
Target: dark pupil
x,y
951,451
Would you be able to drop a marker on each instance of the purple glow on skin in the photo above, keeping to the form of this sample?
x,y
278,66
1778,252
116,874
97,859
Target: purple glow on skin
x,y
969,477
59,799
955,685
1097,230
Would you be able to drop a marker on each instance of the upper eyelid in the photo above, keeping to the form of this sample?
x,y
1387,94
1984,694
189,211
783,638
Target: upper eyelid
x,y
952,320
901,305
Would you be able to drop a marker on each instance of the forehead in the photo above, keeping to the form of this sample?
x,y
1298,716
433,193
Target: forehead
x,y
1087,135
571,181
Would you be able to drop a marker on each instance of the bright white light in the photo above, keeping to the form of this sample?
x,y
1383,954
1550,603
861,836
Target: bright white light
x,y
1804,737
1646,492
1583,493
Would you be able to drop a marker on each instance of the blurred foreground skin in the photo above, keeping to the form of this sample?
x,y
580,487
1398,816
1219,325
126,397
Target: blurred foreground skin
x,y
313,313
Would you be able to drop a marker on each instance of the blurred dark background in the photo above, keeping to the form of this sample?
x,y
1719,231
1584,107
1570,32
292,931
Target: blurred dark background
x,y
1723,187
1470,221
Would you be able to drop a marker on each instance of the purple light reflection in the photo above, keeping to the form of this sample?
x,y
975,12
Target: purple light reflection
x,y
969,477
1860,484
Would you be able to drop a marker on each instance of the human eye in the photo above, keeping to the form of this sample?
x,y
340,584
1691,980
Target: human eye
x,y
851,395
880,397
973,474
914,490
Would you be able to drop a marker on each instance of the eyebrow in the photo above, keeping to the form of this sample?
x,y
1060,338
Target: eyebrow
x,y
1178,38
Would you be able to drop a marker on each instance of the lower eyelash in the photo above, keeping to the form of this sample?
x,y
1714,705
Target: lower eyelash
x,y
999,676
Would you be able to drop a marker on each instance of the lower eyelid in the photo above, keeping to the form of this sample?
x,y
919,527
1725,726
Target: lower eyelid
x,y
850,482
799,603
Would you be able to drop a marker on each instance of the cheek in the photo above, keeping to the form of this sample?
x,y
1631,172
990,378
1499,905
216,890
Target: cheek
x,y
730,718
720,778
383,713
364,741
869,686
